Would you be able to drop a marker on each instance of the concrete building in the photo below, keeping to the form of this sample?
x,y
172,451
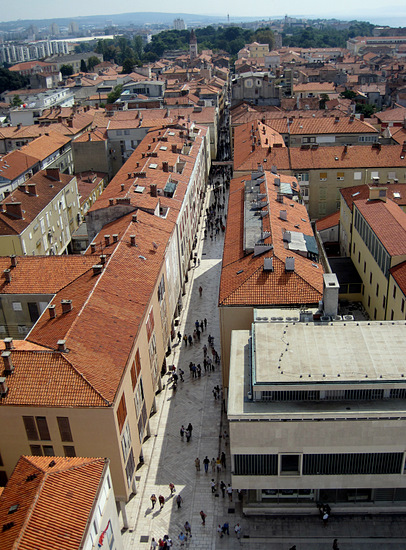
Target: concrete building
x,y
255,87
316,412
179,24
270,256
32,110
39,217
53,489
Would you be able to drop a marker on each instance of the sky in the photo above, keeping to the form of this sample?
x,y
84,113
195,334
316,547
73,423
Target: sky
x,y
345,9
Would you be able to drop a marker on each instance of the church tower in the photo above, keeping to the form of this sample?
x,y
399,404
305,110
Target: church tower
x,y
193,46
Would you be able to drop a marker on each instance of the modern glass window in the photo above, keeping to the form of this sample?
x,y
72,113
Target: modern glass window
x,y
352,464
69,450
256,465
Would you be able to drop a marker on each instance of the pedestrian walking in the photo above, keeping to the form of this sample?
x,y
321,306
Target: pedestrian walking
x,y
213,486
230,493
213,465
205,322
225,437
226,528
182,432
197,324
179,501
179,337
188,529
325,519
223,488
206,463
335,545
185,340
218,465
182,538
200,291
161,501
197,464
154,544
237,529
153,500
187,434
172,488
203,516
190,428
181,373
190,339
220,531
223,460
201,326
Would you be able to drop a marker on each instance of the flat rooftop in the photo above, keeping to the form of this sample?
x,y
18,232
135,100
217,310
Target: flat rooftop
x,y
339,352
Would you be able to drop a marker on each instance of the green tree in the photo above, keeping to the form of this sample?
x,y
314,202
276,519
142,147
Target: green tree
x,y
92,62
83,67
365,109
348,94
11,80
323,99
265,36
16,101
128,65
115,94
66,70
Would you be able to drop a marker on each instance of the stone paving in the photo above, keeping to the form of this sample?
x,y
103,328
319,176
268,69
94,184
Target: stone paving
x,y
169,459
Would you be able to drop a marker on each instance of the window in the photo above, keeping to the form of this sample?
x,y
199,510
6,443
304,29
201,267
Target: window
x,y
64,428
357,176
310,139
322,193
30,428
353,464
384,302
391,315
322,208
375,313
394,292
365,267
48,450
43,428
69,450
256,465
150,324
369,301
377,290
370,278
133,375
340,176
290,464
36,450
121,413
130,467
138,362
402,307
359,257
353,248
126,441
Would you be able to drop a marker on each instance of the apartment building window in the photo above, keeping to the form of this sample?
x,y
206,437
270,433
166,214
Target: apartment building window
x,y
323,193
353,248
48,450
377,290
359,257
357,176
126,441
365,267
36,450
322,208
256,465
36,428
121,413
64,428
394,292
391,315
133,375
370,278
402,306
369,301
290,464
384,302
375,313
130,467
352,464
340,176
69,450
150,324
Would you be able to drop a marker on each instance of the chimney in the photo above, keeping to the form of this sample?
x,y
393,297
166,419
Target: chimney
x,y
330,294
69,122
61,345
8,363
404,147
8,342
132,239
129,175
107,240
66,306
111,202
290,264
153,189
165,166
93,247
102,259
53,174
174,148
97,269
52,312
122,187
13,259
14,209
7,275
3,387
32,189
135,218
115,238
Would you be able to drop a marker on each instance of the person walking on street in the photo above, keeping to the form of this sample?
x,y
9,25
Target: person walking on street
x,y
203,516
223,488
190,428
182,538
200,291
154,544
197,464
179,501
179,337
230,493
213,465
161,501
172,488
325,519
185,340
153,500
223,459
213,486
206,463
188,529
226,528
187,434
190,340
237,530
220,531
335,545
182,432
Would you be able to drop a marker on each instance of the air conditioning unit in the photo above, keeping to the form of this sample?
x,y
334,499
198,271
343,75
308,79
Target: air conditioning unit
x,y
348,317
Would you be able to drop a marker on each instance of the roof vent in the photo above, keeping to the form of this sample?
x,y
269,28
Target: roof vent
x,y
7,275
93,247
97,269
13,259
283,215
103,258
61,345
268,264
8,342
66,306
122,187
52,464
132,240
111,202
107,240
135,218
8,363
290,264
52,312
115,238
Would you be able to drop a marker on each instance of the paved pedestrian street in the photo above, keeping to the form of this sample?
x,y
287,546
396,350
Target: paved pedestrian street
x,y
169,459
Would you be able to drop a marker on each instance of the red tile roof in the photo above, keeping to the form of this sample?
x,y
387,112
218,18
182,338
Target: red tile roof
x,y
395,191
16,163
243,279
54,498
44,146
328,221
388,221
399,274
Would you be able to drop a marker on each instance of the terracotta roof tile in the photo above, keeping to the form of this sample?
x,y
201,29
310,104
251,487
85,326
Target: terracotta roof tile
x,y
395,191
328,221
54,502
399,274
44,146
